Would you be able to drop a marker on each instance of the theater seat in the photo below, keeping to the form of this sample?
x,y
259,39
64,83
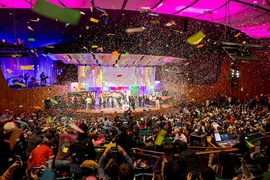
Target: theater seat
x,y
139,176
147,176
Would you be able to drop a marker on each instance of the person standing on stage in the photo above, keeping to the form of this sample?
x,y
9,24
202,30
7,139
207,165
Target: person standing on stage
x,y
88,103
143,100
157,102
140,100
25,78
132,99
43,78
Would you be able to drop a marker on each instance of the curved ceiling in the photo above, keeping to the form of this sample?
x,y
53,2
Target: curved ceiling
x,y
250,16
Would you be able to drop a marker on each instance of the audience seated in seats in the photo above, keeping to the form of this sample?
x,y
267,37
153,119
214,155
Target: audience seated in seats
x,y
234,118
53,139
110,170
89,170
40,157
188,161
206,173
7,156
168,154
83,149
125,141
169,166
9,172
252,164
33,142
224,168
243,149
63,157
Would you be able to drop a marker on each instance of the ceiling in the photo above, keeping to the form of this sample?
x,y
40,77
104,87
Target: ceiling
x,y
249,16
114,60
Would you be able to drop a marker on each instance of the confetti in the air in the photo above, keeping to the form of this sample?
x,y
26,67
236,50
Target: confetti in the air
x,y
115,53
30,28
133,30
9,71
94,20
196,38
237,35
35,20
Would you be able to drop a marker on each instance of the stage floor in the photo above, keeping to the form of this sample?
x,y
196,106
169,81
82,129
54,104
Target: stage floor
x,y
120,110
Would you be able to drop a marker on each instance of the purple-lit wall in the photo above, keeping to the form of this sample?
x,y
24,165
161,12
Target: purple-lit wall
x,y
11,67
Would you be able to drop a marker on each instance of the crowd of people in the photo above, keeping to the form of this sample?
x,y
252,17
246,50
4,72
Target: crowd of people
x,y
51,144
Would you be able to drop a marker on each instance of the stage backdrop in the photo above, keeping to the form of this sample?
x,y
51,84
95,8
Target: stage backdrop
x,y
94,76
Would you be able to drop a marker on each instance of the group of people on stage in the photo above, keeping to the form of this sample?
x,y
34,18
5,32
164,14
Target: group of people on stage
x,y
112,100
23,81
131,101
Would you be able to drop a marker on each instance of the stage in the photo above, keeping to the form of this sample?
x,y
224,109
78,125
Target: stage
x,y
120,110
113,112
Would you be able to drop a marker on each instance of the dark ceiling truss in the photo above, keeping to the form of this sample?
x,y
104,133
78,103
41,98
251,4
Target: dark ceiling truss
x,y
124,4
159,2
60,2
93,3
16,19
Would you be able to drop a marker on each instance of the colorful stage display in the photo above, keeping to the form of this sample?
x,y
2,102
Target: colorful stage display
x,y
106,77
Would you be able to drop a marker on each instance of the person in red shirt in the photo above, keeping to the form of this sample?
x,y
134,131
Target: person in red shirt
x,y
40,156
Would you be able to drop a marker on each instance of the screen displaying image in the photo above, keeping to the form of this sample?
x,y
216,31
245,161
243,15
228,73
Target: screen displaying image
x,y
217,137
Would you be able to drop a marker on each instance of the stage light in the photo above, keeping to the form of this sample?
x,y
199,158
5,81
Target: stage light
x,y
237,74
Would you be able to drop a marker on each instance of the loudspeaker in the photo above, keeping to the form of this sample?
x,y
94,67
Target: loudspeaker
x,y
198,140
185,24
47,104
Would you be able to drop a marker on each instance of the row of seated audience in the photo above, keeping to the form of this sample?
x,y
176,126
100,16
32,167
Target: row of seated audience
x,y
49,145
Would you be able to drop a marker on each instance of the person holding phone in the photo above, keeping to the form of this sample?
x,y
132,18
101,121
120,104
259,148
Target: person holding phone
x,y
108,171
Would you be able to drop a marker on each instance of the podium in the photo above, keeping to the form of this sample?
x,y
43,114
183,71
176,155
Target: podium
x,y
197,139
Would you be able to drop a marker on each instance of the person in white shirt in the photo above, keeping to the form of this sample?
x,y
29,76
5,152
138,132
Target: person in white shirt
x,y
157,103
215,126
182,137
88,103
179,135
176,137
207,103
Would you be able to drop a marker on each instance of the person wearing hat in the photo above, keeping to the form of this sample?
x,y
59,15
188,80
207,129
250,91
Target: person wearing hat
x,y
83,149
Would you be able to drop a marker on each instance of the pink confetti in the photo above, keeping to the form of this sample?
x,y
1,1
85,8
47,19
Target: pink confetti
x,y
29,27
